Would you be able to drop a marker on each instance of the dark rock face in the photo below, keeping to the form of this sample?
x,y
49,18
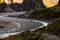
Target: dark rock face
x,y
26,5
16,7
1,27
2,6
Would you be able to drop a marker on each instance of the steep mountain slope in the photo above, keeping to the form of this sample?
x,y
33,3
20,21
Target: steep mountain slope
x,y
25,6
50,13
54,28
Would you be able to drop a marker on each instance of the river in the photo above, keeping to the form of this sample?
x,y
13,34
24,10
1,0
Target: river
x,y
22,25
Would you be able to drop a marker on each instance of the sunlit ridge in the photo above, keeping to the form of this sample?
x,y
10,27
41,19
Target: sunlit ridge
x,y
50,3
11,1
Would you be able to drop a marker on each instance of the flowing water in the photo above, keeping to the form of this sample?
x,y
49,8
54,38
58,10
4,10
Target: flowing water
x,y
17,24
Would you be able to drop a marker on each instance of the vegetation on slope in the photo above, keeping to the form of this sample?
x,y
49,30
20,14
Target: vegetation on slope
x,y
27,35
54,28
50,13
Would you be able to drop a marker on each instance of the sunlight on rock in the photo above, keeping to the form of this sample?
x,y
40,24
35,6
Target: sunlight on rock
x,y
13,1
50,3
18,1
8,1
1,1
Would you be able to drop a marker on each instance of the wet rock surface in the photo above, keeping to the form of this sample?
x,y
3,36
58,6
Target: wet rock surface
x,y
50,37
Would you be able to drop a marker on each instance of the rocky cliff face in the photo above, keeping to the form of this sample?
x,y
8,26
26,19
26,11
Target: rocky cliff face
x,y
25,6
